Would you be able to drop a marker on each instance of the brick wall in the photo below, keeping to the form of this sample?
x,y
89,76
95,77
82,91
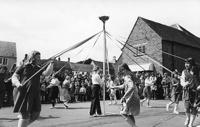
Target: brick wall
x,y
142,34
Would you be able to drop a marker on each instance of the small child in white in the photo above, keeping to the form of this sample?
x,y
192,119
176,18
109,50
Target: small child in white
x,y
110,85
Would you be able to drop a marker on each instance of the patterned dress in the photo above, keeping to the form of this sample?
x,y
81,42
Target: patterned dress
x,y
132,98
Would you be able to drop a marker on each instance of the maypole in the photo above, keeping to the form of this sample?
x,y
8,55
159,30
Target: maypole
x,y
104,19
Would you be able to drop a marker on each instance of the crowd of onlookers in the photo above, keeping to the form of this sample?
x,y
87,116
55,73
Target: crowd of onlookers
x,y
80,86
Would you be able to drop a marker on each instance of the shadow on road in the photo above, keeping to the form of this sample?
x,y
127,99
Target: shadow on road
x,y
110,115
158,107
9,119
72,108
48,117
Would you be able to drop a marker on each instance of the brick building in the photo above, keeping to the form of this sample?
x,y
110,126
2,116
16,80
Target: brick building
x,y
156,40
8,54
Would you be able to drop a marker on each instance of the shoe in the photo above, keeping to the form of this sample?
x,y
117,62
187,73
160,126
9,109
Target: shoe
x,y
98,115
149,106
94,115
167,107
186,122
66,106
52,107
175,112
190,125
123,112
19,116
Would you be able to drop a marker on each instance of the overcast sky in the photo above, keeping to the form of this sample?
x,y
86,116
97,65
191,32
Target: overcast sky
x,y
51,26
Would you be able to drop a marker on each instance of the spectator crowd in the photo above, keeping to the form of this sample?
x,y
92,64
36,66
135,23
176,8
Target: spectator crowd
x,y
79,86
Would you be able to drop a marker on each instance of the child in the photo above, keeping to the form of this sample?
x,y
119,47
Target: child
x,y
54,90
112,95
130,100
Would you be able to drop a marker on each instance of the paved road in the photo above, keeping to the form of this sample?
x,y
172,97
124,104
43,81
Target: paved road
x,y
77,116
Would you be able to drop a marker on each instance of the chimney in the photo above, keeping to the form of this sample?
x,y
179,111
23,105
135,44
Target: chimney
x,y
68,59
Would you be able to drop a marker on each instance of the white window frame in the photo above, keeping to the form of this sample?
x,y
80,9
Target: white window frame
x,y
141,50
1,60
5,61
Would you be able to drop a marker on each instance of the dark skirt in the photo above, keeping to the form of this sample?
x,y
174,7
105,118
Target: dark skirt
x,y
175,95
26,103
53,93
147,92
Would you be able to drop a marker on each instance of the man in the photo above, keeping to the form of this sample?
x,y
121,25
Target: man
x,y
96,85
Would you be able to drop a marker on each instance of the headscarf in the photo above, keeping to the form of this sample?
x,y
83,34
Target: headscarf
x,y
31,56
191,61
124,70
193,65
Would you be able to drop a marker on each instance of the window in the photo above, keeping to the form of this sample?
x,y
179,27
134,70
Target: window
x,y
5,61
140,50
1,60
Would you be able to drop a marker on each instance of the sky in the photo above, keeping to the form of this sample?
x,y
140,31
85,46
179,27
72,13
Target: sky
x,y
51,26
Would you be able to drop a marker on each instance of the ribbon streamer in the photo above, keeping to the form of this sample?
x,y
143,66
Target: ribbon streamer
x,y
128,55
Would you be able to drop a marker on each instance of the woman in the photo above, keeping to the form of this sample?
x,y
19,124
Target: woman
x,y
27,102
96,85
130,100
64,95
166,85
175,93
147,90
53,87
189,82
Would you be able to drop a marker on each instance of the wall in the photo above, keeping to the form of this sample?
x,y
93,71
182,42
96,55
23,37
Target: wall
x,y
181,51
143,34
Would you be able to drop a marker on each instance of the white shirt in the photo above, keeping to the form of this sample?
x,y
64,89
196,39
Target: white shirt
x,y
96,79
148,82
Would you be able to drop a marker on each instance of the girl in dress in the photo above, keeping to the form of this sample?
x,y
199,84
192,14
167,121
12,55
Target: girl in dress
x,y
189,82
64,91
130,100
147,90
112,95
175,94
54,89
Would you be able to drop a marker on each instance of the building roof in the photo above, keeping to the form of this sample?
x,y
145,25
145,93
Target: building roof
x,y
71,66
100,64
175,33
81,67
8,49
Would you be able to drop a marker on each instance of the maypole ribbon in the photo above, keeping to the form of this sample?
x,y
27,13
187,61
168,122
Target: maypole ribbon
x,y
127,54
148,57
91,48
75,46
53,57
61,53
170,54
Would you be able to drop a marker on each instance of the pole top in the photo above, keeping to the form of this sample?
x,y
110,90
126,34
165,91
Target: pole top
x,y
104,18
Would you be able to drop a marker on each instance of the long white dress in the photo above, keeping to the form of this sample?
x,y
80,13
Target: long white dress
x,y
64,92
